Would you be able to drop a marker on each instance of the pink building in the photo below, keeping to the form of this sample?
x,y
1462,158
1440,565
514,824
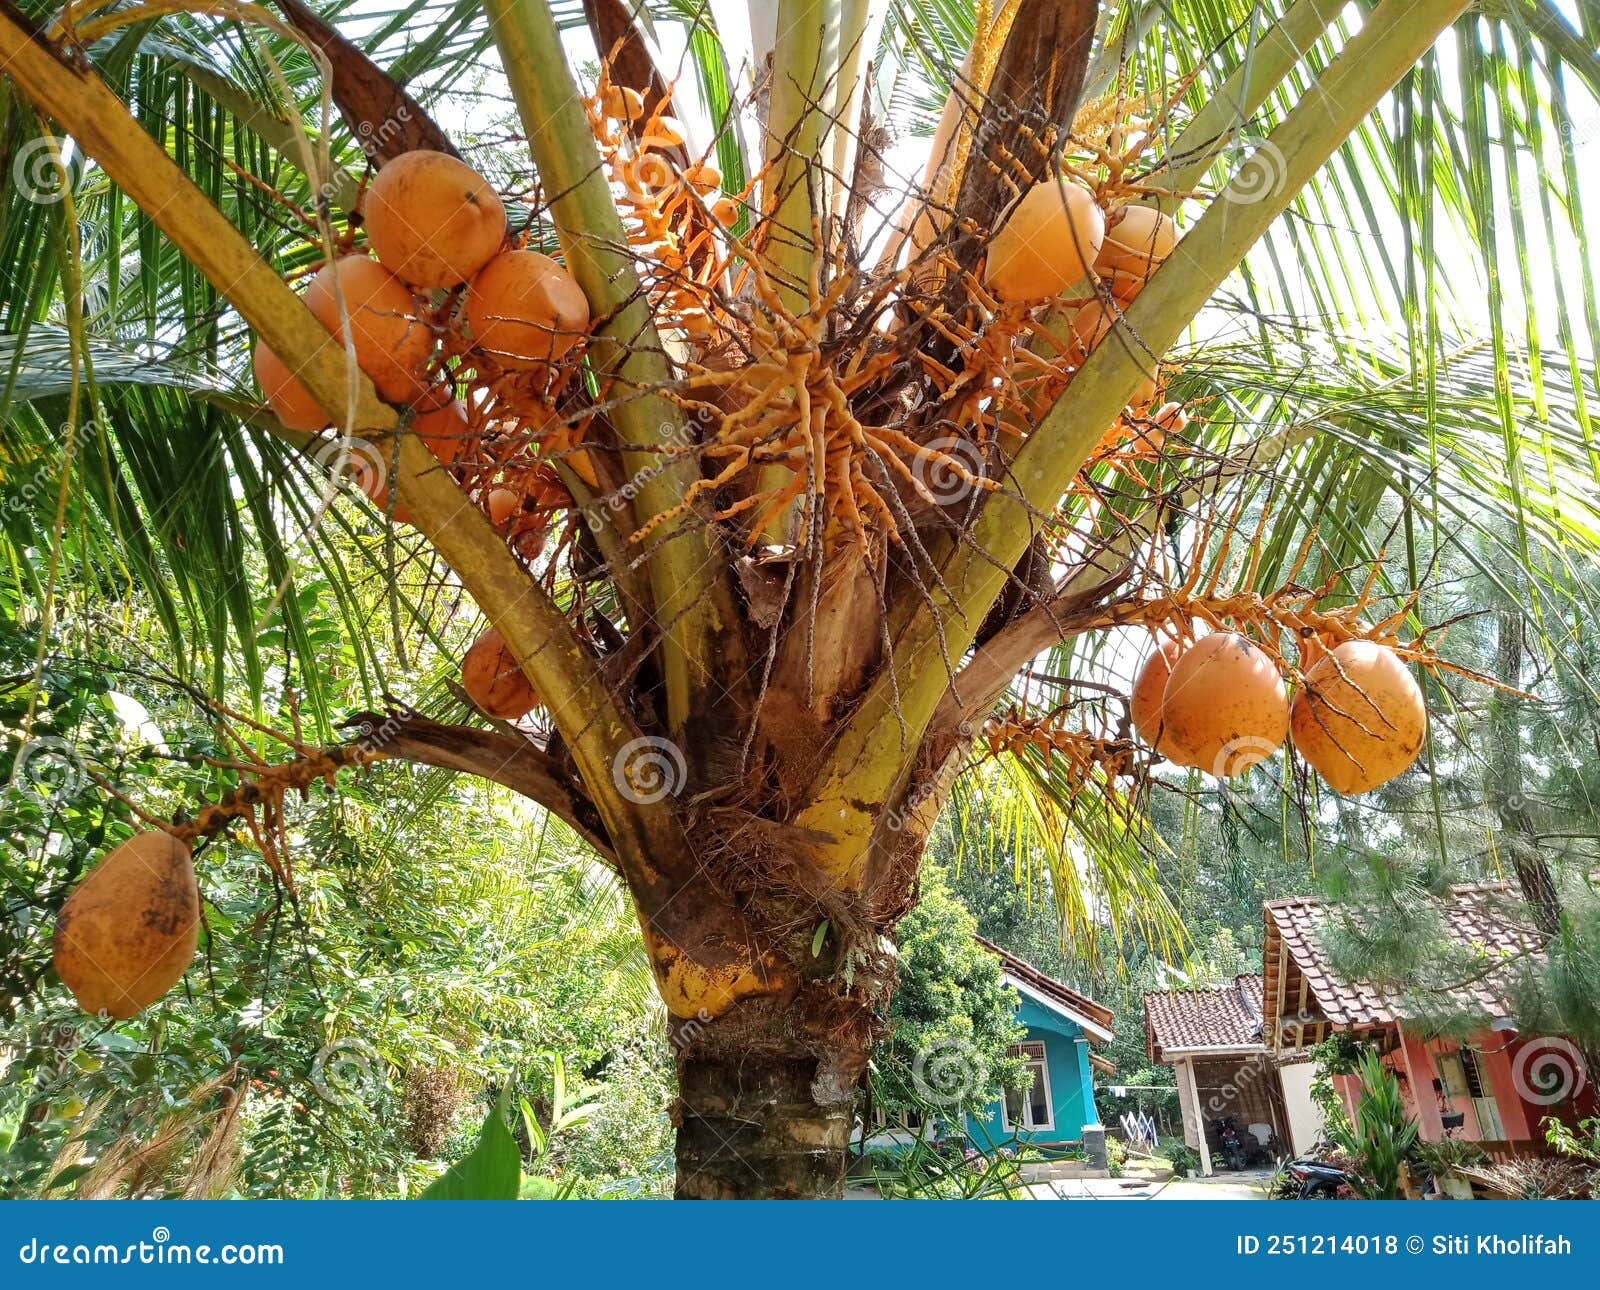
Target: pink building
x,y
1496,1087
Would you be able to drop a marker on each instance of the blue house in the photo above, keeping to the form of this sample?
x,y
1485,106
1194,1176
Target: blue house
x,y
1055,1111
1061,1024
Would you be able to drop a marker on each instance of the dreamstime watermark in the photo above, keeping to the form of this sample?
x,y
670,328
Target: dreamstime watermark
x,y
373,738
948,470
649,769
347,1071
684,1033
374,140
1261,173
1239,755
49,767
160,1249
41,174
44,480
1547,1071
674,438
358,462
897,817
946,1072
649,176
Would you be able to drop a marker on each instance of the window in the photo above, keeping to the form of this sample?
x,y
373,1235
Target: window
x,y
1464,1079
905,1119
1033,1109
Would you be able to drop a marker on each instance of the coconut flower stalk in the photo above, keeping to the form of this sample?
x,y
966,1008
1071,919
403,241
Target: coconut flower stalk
x,y
770,526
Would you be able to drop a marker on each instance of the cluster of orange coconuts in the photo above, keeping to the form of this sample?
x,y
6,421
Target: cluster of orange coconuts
x,y
1220,704
1057,236
435,225
128,932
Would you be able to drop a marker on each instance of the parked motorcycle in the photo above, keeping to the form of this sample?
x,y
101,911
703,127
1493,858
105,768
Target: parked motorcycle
x,y
1233,1148
1318,1180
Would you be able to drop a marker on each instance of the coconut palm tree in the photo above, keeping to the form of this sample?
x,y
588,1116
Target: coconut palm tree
x,y
854,475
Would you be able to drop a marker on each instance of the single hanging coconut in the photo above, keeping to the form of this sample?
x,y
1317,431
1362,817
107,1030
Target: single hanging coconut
x,y
1138,240
445,430
1048,241
622,103
290,401
392,342
525,309
1144,704
432,220
128,932
500,504
1090,326
494,679
1225,708
1360,718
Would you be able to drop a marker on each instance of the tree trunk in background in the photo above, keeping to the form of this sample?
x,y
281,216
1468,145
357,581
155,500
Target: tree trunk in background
x,y
1506,782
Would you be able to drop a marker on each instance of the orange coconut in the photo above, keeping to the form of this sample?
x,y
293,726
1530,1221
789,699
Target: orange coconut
x,y
1124,287
525,309
445,430
290,401
127,933
1225,708
1048,242
392,341
501,504
1144,704
662,132
622,103
1092,324
495,681
433,220
1138,239
1360,719
703,177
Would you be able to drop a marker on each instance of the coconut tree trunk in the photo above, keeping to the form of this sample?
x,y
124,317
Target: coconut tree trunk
x,y
769,1125
767,1095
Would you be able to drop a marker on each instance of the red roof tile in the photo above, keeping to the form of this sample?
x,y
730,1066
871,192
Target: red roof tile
x,y
1048,986
1216,1016
1484,916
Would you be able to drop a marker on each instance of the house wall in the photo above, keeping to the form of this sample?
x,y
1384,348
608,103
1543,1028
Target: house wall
x,y
1305,1117
1066,1050
1506,1065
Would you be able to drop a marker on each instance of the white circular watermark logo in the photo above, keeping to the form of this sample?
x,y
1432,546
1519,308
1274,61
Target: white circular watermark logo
x,y
347,1070
50,767
1261,173
360,462
649,769
1239,755
1547,1071
649,176
42,174
946,1072
949,470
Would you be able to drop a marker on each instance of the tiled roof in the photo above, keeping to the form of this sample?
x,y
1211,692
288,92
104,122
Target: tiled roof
x,y
1483,915
1065,996
1217,1016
